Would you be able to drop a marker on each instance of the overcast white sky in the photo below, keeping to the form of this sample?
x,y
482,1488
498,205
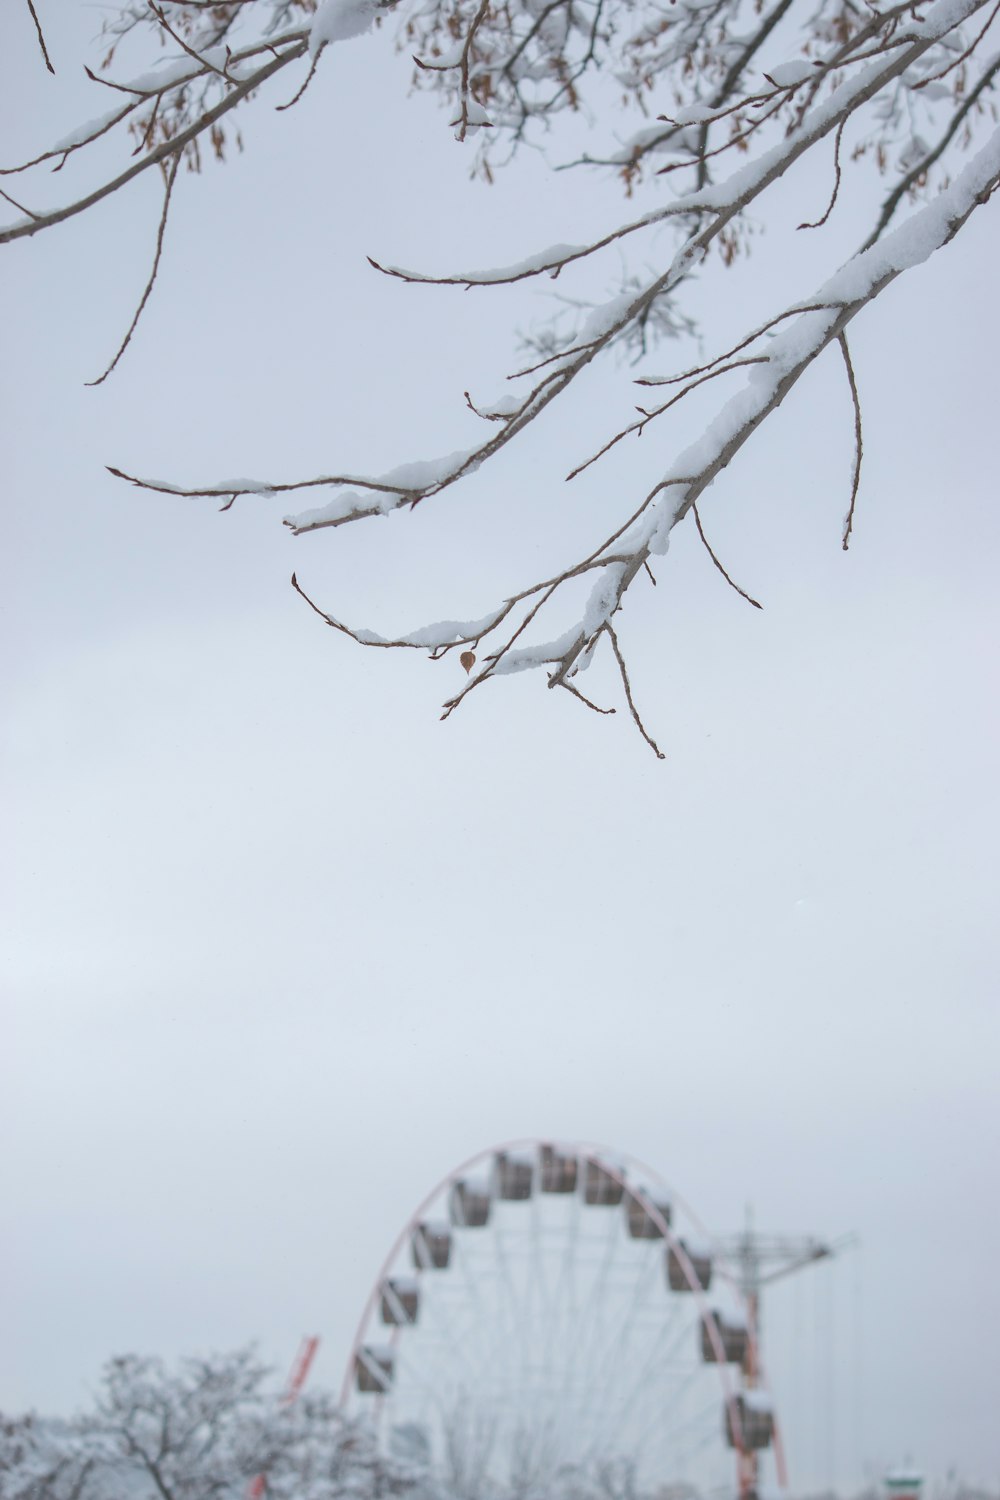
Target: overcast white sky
x,y
281,948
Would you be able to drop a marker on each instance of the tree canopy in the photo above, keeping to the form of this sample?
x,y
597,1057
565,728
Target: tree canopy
x,y
211,1427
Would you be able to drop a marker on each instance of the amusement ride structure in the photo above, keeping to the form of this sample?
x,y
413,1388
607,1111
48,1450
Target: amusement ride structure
x,y
554,1309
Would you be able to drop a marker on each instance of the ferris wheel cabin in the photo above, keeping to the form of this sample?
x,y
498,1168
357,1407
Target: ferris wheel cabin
x,y
515,1175
731,1336
559,1170
643,1215
400,1301
687,1253
430,1246
603,1185
750,1412
373,1368
469,1203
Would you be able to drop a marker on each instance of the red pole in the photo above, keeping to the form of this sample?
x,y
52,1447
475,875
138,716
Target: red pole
x,y
293,1389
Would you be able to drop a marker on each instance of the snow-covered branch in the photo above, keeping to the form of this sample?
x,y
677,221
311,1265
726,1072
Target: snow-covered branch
x,y
773,371
911,88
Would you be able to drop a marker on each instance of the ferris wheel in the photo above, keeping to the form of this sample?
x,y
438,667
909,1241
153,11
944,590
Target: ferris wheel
x,y
552,1310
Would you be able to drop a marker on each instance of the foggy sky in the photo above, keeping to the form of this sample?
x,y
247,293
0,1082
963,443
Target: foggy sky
x,y
281,948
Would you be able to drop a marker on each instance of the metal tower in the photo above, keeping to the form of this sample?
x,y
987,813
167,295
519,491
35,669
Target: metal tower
x,y
759,1260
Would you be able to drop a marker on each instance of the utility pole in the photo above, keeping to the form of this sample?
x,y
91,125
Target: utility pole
x,y
759,1260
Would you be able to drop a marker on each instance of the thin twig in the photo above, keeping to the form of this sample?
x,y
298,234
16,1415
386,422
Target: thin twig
x,y
121,88
818,223
584,699
20,206
488,416
41,38
306,82
628,694
201,60
551,359
648,416
732,584
790,312
849,523
171,177
147,134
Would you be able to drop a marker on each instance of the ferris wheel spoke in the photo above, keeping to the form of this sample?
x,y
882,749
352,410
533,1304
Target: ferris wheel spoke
x,y
701,1433
492,1328
654,1381
673,1420
565,1290
409,1369
584,1333
594,1352
492,1341
615,1358
408,1357
515,1311
449,1350
539,1303
664,1382
468,1448
646,1287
